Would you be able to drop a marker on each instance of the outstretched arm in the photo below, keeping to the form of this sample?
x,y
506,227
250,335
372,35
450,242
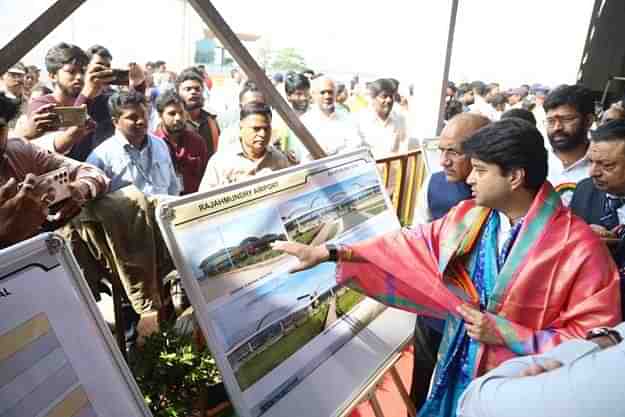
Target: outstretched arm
x,y
311,256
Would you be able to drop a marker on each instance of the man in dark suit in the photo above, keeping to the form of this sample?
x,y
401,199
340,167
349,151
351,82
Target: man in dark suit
x,y
600,199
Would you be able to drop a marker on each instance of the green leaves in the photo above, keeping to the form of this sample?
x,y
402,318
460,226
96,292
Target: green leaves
x,y
173,374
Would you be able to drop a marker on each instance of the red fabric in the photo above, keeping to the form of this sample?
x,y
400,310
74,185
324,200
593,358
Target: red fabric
x,y
566,284
189,155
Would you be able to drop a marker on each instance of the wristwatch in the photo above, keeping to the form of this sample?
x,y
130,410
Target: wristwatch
x,y
333,251
612,334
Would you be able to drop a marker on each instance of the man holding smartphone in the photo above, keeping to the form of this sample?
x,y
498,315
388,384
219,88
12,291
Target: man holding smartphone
x,y
25,191
79,79
113,234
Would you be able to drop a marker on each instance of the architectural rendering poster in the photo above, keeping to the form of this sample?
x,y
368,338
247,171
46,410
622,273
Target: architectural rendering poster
x,y
56,357
275,334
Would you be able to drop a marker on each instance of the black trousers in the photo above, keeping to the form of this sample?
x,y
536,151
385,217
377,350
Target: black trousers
x,y
426,343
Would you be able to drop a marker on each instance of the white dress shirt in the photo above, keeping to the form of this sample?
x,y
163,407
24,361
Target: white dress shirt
x,y
335,133
481,106
565,180
589,384
230,165
383,137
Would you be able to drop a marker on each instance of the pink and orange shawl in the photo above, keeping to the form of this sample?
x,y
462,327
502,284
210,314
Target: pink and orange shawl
x,y
558,282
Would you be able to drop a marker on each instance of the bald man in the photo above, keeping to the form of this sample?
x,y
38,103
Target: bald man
x,y
439,194
334,129
444,189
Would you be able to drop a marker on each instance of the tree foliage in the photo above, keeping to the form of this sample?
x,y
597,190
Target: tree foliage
x,y
287,59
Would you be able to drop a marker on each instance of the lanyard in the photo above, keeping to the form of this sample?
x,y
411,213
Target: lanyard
x,y
133,153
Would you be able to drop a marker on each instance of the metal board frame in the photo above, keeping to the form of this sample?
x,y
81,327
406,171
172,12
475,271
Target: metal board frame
x,y
388,335
49,252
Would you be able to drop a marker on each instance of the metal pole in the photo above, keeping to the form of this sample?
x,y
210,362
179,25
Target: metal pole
x,y
229,40
36,31
450,44
593,18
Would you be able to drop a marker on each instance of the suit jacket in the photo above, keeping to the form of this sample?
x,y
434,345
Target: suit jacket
x,y
588,201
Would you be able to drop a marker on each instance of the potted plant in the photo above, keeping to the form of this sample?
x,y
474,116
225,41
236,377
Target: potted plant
x,y
177,378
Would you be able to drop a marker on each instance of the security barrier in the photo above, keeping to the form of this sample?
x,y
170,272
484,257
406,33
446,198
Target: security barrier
x,y
403,174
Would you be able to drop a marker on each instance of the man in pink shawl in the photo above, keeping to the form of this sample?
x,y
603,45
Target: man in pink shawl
x,y
512,271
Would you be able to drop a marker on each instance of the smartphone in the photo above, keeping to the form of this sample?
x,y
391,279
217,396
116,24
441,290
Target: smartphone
x,y
70,116
59,181
122,77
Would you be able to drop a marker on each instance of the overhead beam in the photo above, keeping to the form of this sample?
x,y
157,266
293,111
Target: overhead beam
x,y
448,53
228,39
27,39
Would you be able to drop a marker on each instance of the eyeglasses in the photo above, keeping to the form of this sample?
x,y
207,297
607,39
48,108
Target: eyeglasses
x,y
563,120
450,153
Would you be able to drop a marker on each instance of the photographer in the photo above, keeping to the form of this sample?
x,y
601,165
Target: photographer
x,y
24,209
112,233
79,80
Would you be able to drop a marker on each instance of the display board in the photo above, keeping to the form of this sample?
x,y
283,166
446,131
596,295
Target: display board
x,y
57,358
286,344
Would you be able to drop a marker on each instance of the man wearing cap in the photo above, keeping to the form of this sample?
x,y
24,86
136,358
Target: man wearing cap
x,y
515,98
13,87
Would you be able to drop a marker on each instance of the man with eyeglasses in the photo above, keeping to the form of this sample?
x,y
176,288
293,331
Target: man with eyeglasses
x,y
536,273
442,191
446,188
600,199
570,114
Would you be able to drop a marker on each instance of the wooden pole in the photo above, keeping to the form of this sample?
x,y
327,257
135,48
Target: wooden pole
x,y
27,39
228,39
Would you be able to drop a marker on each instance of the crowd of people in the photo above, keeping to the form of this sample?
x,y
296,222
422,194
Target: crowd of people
x,y
152,135
528,210
529,223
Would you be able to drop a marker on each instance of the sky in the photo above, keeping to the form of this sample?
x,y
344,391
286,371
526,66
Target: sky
x,y
495,40
283,292
204,239
322,197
